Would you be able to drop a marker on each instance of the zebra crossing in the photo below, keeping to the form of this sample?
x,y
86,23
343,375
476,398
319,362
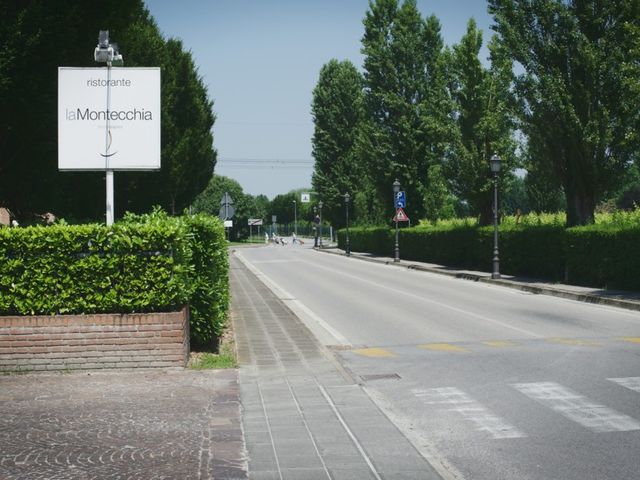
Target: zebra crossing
x,y
559,399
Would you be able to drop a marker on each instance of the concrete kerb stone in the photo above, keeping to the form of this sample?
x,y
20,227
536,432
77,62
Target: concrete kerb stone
x,y
517,285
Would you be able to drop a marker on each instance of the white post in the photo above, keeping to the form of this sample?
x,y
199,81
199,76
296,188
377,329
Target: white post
x,y
110,209
109,177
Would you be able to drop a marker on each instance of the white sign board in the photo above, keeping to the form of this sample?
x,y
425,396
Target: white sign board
x,y
108,120
305,197
228,223
255,221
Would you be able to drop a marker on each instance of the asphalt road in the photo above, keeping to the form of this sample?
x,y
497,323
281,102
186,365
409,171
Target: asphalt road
x,y
487,382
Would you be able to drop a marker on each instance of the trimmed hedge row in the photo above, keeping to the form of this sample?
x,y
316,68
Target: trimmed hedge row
x,y
146,263
604,257
600,256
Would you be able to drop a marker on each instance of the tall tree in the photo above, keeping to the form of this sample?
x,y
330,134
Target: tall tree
x,y
36,37
438,126
395,64
337,111
410,126
579,91
485,119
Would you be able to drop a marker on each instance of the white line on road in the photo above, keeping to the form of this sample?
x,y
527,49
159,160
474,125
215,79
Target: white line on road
x,y
458,401
578,408
632,383
299,308
386,288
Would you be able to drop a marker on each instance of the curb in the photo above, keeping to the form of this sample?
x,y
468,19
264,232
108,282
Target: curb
x,y
535,289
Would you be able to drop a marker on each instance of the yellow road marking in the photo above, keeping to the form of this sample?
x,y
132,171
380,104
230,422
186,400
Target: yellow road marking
x,y
501,343
374,352
631,339
575,341
444,347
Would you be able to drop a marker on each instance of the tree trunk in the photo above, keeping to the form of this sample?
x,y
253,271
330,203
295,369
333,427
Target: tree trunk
x,y
580,208
485,207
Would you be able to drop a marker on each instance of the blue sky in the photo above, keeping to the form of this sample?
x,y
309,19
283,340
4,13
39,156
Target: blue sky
x,y
260,60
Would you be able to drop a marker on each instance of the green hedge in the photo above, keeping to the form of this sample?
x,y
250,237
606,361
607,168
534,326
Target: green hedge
x,y
602,256
145,263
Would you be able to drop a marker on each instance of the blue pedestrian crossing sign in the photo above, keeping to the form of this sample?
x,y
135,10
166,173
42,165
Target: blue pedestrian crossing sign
x,y
401,200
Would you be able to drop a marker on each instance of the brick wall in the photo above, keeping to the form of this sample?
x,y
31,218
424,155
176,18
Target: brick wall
x,y
62,342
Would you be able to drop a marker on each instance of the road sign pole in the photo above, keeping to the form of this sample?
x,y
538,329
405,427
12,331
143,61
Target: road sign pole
x,y
397,250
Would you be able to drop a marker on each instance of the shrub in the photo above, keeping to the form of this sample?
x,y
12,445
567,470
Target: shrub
x,y
209,302
538,245
145,263
604,255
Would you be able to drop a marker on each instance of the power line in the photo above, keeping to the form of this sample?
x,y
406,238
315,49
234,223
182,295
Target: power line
x,y
231,162
275,160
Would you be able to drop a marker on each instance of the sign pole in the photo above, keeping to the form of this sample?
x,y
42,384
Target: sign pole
x,y
109,177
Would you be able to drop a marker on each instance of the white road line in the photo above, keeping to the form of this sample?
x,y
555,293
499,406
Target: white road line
x,y
399,292
299,308
632,383
580,409
458,401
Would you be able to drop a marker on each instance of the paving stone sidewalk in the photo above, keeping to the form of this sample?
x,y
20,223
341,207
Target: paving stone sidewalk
x,y
170,424
303,416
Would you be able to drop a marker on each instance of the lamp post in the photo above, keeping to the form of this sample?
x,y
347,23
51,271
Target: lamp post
x,y
320,214
315,227
396,189
347,197
295,218
495,169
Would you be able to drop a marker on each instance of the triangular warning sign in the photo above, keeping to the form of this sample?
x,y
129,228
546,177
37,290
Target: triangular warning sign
x,y
400,216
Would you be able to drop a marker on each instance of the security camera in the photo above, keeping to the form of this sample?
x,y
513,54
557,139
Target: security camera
x,y
104,52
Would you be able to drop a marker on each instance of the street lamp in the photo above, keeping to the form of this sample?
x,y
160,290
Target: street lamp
x,y
495,169
320,214
347,197
396,189
316,221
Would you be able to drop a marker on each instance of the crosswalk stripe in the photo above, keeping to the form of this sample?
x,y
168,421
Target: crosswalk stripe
x,y
578,408
455,400
632,383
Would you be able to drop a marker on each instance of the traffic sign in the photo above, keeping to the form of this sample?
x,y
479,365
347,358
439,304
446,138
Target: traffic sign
x,y
401,200
400,216
226,212
305,197
226,207
226,199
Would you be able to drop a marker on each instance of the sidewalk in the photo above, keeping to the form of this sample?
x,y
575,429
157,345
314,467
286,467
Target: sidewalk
x,y
303,416
614,298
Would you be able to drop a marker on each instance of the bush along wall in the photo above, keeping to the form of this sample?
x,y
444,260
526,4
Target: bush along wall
x,y
148,263
602,256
